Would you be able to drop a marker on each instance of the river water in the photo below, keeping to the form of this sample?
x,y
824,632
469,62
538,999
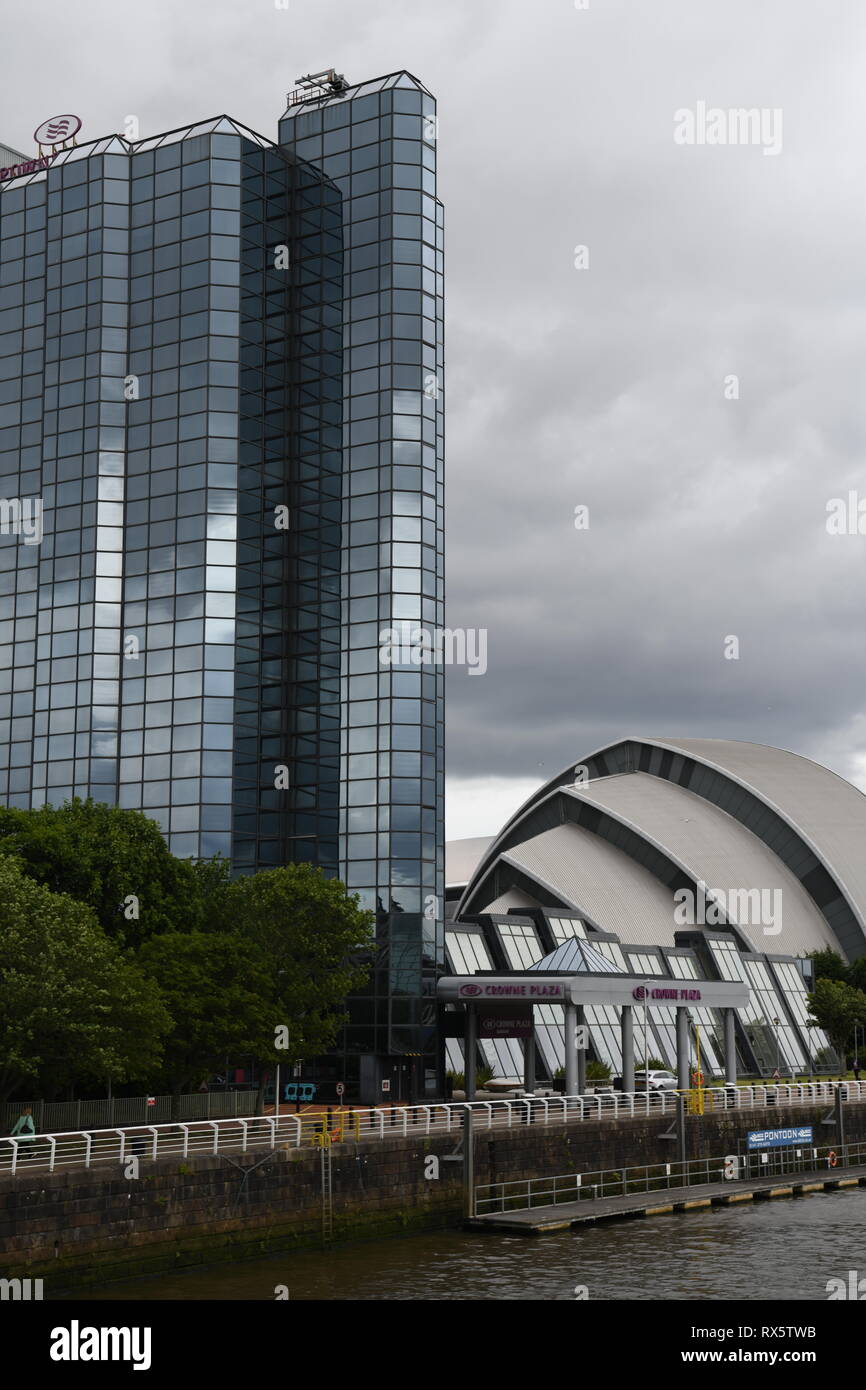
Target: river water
x,y
783,1249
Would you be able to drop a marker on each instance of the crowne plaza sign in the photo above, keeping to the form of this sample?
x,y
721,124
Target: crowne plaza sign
x,y
591,988
27,166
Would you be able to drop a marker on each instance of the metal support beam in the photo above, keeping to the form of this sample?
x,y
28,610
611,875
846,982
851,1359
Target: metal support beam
x,y
730,1047
470,1049
840,1121
627,1029
468,1162
529,1062
682,1048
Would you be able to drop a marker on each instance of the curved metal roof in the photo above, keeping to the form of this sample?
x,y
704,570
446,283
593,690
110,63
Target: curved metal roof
x,y
712,846
461,859
591,876
739,816
826,811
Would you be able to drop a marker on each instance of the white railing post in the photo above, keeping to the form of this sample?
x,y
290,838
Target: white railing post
x,y
53,1142
122,1133
87,1147
152,1130
185,1129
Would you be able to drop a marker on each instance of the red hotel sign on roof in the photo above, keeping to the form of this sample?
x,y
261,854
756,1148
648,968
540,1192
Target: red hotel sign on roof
x,y
57,129
27,166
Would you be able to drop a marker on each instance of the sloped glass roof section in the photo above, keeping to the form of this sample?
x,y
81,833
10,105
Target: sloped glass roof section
x,y
575,958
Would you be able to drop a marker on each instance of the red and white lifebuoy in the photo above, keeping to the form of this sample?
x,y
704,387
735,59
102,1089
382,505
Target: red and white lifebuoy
x,y
832,1160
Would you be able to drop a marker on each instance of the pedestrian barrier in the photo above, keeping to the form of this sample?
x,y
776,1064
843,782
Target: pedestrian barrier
x,y
86,1148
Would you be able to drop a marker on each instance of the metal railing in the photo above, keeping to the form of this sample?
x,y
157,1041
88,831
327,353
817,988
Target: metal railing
x,y
181,1139
526,1194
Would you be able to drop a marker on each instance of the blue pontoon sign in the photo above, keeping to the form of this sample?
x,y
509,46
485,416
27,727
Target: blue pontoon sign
x,y
778,1138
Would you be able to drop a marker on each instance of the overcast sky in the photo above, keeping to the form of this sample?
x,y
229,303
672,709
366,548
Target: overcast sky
x,y
604,386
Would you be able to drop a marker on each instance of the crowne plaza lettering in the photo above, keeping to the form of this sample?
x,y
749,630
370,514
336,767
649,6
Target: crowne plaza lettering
x,y
27,166
523,991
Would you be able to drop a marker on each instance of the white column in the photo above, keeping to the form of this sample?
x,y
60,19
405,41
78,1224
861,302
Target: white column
x,y
627,1030
571,1076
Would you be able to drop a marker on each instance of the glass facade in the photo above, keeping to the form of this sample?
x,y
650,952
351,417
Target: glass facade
x,y
148,362
221,388
377,143
778,1006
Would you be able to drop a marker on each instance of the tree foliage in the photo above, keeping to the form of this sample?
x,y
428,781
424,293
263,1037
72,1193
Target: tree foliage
x,y
215,990
829,965
837,1007
72,1007
115,861
309,936
121,961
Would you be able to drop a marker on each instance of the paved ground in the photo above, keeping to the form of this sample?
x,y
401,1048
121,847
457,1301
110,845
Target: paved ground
x,y
590,1210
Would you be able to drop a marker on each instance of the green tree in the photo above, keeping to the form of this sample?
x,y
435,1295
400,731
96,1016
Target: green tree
x,y
837,1008
215,989
856,974
829,965
72,1008
311,936
115,861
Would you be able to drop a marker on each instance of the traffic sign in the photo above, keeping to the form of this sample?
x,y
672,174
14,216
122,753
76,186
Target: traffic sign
x,y
340,1088
386,1085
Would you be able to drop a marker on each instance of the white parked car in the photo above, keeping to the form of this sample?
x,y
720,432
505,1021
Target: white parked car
x,y
658,1081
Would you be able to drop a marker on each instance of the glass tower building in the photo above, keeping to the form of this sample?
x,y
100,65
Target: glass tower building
x,y
220,476
377,142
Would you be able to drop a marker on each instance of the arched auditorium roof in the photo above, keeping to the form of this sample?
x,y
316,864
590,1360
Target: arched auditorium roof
x,y
660,814
461,857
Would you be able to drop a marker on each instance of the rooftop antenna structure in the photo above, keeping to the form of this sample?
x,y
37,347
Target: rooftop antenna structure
x,y
317,84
